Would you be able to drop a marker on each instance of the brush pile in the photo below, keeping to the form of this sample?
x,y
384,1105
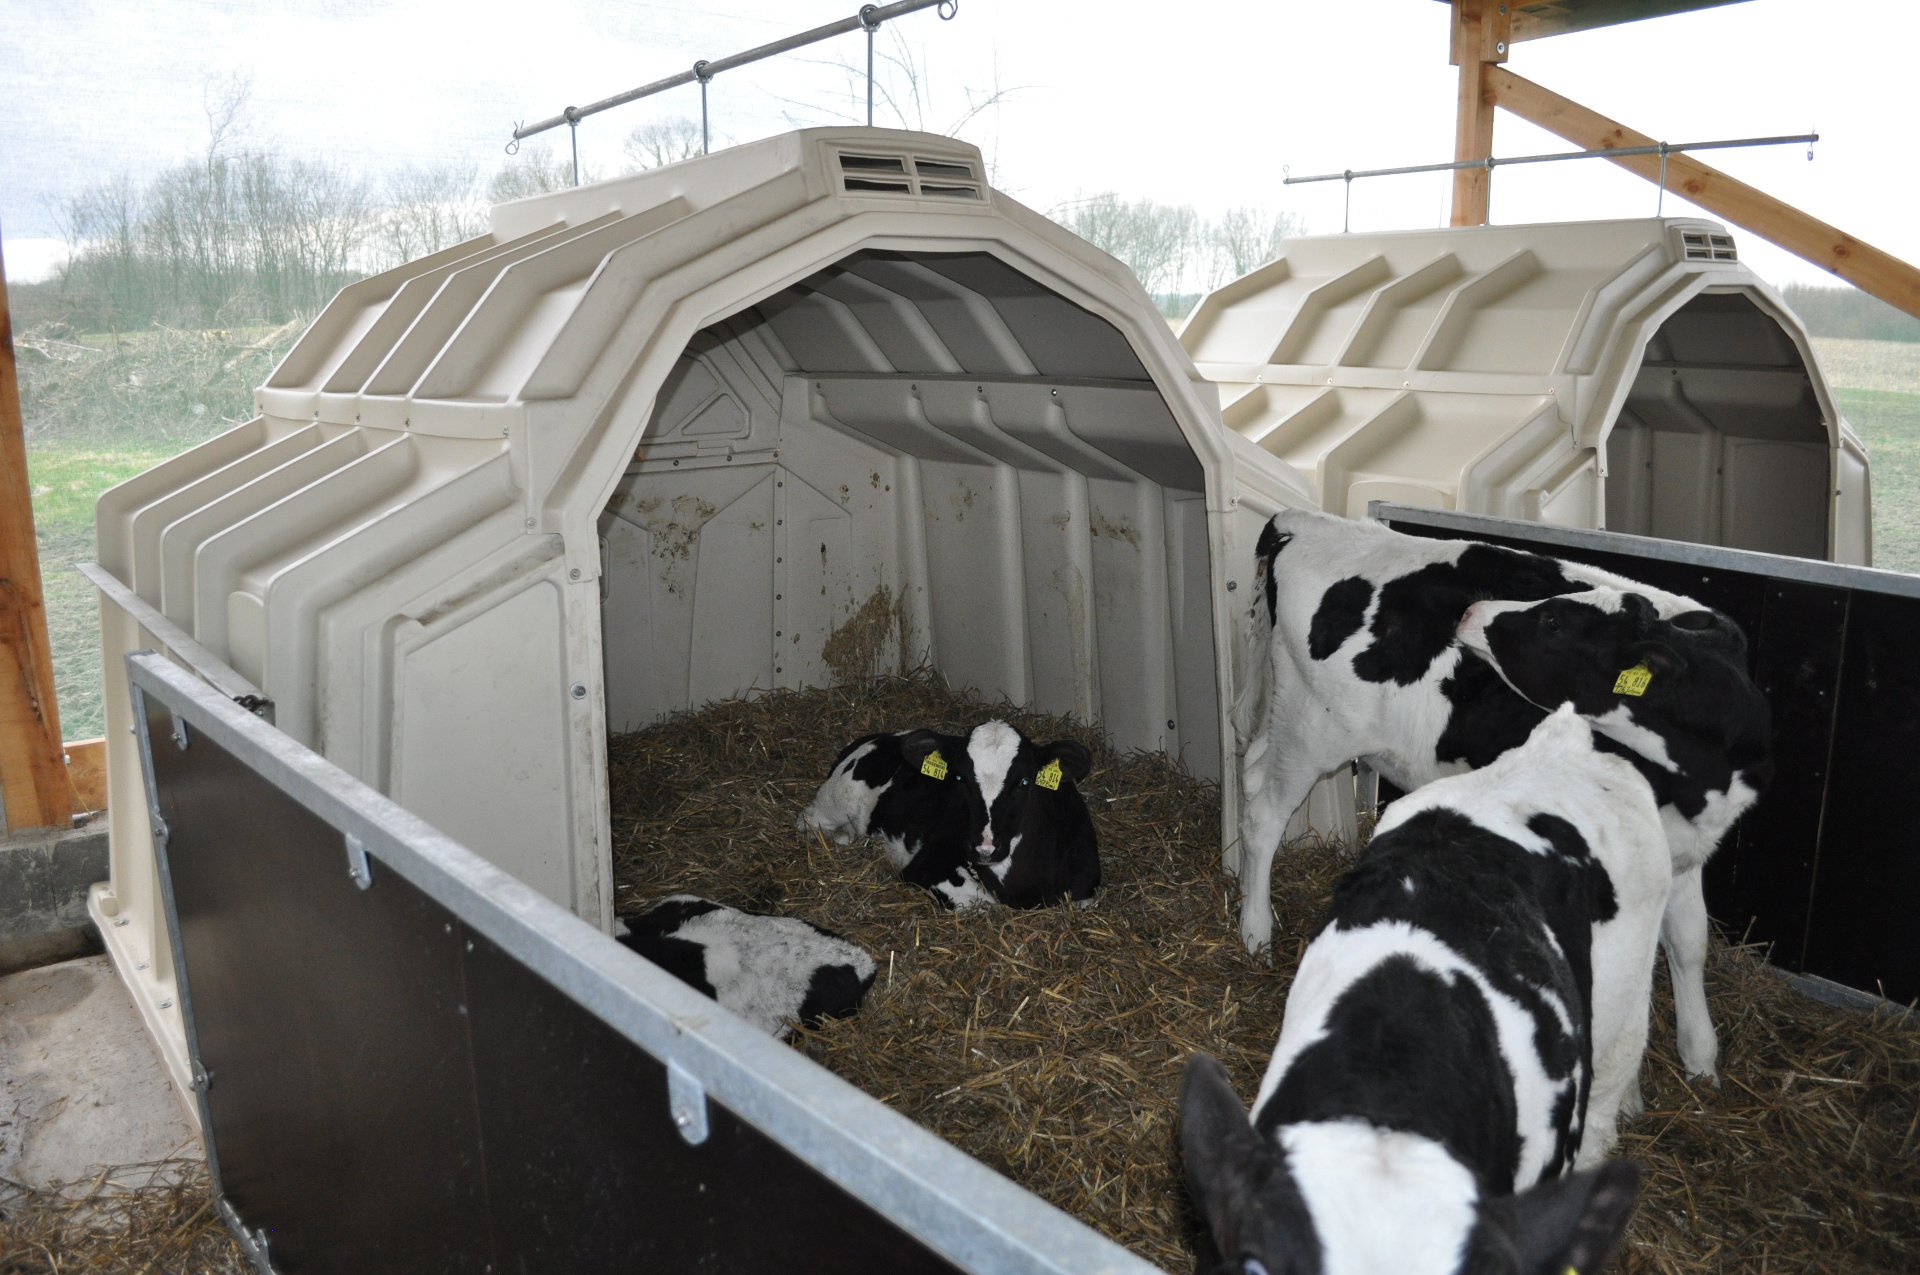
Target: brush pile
x,y
1048,1044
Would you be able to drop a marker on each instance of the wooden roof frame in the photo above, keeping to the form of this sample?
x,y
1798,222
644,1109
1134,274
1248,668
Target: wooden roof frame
x,y
1483,33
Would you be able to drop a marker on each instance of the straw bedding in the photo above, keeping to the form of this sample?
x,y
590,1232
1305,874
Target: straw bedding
x,y
1048,1044
131,1220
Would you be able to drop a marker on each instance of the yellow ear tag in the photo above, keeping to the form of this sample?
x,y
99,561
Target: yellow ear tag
x,y
1633,681
1049,776
935,766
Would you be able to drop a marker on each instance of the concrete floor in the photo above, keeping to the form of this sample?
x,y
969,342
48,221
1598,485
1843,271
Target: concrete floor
x,y
80,1086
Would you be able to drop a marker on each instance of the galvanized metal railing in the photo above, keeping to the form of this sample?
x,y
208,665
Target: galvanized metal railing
x,y
1491,162
702,72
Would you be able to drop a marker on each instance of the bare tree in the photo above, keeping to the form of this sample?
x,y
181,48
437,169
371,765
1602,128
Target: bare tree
x,y
230,237
1157,241
536,170
430,208
1244,239
658,143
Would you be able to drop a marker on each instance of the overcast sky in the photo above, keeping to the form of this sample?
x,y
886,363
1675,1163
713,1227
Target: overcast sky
x,y
1206,103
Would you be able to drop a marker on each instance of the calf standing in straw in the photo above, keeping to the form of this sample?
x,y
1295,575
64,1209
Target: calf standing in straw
x,y
1458,1038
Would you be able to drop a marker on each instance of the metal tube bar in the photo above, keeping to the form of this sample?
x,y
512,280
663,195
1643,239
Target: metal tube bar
x,y
871,28
705,71
1612,153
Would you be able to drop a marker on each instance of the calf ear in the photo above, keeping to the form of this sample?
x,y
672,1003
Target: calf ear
x,y
1575,1223
1657,656
1075,761
916,744
1225,1156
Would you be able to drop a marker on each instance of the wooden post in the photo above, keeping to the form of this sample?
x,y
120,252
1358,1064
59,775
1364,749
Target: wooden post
x,y
1482,33
1861,264
33,778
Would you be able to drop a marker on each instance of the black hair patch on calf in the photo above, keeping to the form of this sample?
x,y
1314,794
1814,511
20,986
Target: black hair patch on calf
x,y
1485,719
1342,609
835,992
686,961
1419,611
1265,550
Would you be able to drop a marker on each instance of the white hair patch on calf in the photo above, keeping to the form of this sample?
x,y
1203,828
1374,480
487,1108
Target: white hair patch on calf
x,y
844,804
1382,1200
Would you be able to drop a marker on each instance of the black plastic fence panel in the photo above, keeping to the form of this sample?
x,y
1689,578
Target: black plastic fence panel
x,y
1826,866
385,1086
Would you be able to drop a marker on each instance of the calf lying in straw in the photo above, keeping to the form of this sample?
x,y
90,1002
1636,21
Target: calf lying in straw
x,y
990,816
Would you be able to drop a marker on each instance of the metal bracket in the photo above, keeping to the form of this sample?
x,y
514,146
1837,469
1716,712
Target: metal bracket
x,y
160,829
202,1078
357,865
181,739
687,1102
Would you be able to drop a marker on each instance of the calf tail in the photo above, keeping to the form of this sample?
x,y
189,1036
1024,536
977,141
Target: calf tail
x,y
1255,653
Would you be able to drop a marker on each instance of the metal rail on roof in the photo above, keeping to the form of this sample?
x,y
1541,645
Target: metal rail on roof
x,y
1491,162
868,19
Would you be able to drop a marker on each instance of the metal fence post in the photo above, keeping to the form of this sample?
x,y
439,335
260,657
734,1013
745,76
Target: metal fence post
x,y
867,20
700,73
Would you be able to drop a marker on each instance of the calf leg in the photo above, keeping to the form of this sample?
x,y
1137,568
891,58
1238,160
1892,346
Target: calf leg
x,y
1274,785
1684,934
1615,1091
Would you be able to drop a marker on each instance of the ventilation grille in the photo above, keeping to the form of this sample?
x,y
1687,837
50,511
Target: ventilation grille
x,y
1703,246
910,175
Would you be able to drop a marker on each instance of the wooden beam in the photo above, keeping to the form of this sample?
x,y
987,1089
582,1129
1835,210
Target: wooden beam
x,y
87,768
1861,264
1478,41
33,776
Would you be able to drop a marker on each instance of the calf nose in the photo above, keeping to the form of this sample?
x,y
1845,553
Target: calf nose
x,y
984,850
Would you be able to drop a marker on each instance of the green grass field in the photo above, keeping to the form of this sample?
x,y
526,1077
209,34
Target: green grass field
x,y
1889,424
98,410
66,478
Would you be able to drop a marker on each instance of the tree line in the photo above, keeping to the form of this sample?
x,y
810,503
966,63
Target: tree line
x,y
239,237
1177,254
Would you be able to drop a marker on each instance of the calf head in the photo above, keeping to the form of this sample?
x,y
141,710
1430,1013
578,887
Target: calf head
x,y
1009,771
1654,685
1274,1211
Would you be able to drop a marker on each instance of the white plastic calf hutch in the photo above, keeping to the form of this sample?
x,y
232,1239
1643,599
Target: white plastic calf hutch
x,y
653,442
1627,375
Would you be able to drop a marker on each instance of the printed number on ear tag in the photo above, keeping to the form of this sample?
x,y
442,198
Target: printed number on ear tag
x,y
1633,681
1049,776
935,766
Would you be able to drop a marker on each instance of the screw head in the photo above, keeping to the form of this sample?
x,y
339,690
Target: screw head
x,y
1500,46
574,574
579,690
1232,585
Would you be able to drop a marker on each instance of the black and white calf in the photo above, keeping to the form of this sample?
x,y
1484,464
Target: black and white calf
x,y
1365,653
976,818
773,971
1458,1038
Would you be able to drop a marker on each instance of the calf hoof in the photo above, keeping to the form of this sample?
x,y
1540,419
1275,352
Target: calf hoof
x,y
1085,904
1700,1059
1633,1103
